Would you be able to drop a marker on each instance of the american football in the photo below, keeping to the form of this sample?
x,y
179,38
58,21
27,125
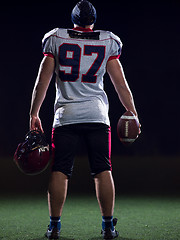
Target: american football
x,y
128,128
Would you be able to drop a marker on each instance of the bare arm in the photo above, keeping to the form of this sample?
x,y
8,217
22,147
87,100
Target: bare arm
x,y
45,74
115,71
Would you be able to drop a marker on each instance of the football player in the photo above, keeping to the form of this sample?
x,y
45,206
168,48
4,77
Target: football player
x,y
80,57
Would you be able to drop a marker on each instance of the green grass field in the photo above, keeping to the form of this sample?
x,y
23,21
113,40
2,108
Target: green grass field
x,y
139,218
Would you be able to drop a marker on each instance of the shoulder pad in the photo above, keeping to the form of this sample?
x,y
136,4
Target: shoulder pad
x,y
116,38
50,33
108,34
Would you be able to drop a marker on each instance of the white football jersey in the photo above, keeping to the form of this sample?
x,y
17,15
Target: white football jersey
x,y
81,56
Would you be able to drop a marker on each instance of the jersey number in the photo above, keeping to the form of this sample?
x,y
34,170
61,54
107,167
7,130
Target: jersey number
x,y
70,60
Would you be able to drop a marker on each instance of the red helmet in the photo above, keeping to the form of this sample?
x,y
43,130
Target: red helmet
x,y
32,156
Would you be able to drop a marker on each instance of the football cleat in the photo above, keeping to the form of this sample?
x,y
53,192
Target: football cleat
x,y
53,233
107,233
32,156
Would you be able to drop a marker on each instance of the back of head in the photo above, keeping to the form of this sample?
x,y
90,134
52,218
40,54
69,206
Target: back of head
x,y
83,14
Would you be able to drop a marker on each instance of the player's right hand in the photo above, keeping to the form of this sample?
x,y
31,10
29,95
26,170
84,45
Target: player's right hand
x,y
35,123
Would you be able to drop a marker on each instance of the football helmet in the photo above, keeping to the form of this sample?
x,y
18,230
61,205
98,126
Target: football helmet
x,y
32,156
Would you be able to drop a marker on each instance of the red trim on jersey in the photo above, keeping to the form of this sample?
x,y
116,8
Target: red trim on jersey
x,y
83,29
114,57
49,55
53,146
110,147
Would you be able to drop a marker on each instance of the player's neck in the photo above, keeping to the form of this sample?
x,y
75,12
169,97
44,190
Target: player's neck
x,y
88,28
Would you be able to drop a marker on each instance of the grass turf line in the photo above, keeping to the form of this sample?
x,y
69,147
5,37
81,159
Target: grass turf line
x,y
139,218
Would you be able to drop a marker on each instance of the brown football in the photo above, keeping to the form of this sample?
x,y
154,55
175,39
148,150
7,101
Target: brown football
x,y
128,128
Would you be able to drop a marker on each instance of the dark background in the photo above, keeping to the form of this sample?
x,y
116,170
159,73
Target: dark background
x,y
150,32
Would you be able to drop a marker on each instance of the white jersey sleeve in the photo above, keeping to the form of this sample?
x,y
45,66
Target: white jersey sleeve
x,y
116,46
48,43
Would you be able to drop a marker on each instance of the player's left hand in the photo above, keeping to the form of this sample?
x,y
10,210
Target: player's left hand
x,y
35,123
